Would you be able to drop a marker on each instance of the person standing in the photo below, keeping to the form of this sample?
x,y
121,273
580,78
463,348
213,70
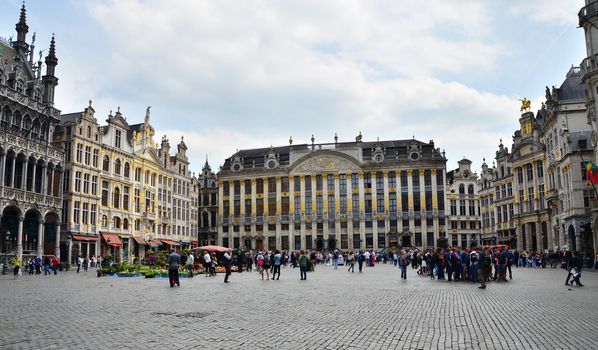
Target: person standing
x,y
47,264
403,265
78,261
360,259
174,260
276,265
227,262
189,263
351,262
16,262
207,263
335,259
55,264
366,256
303,265
485,262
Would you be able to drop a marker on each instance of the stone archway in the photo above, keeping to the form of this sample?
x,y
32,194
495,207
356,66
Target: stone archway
x,y
51,235
571,239
9,225
32,235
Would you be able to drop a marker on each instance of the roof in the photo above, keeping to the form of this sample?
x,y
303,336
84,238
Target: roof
x,y
572,88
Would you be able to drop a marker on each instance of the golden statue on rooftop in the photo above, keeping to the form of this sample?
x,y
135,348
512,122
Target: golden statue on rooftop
x,y
526,105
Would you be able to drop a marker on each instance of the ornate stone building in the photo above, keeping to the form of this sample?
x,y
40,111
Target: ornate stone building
x,y
208,206
464,206
567,136
123,192
348,195
30,167
588,20
496,200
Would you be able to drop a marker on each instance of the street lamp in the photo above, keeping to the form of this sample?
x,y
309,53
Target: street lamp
x,y
5,264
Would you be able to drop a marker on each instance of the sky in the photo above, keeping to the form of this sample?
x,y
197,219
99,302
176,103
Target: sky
x,y
231,75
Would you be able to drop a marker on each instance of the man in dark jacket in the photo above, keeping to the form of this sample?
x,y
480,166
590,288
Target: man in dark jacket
x,y
174,260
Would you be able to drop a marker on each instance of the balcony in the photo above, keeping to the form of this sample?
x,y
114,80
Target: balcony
x,y
149,215
30,197
586,12
589,64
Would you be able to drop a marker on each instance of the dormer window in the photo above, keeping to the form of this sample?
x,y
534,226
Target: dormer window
x,y
117,138
19,86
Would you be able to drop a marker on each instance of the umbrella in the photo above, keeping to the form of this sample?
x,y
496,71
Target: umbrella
x,y
211,248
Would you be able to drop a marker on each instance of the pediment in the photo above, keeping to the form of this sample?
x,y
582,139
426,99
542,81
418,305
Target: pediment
x,y
325,162
150,154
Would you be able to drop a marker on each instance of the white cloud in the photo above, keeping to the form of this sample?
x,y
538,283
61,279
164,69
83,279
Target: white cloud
x,y
232,74
562,11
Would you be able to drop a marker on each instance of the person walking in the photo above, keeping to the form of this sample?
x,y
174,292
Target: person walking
x,y
266,265
174,260
403,265
574,268
227,262
85,264
276,264
189,263
31,266
303,265
79,261
207,263
47,264
351,262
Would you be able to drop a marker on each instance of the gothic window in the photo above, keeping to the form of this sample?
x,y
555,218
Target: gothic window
x,y
106,164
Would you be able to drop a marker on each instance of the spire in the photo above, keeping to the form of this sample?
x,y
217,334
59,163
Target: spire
x,y
50,80
22,29
147,115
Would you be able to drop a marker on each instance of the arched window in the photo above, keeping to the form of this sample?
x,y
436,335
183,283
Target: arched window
x,y
116,221
125,224
43,132
104,221
16,121
116,198
6,113
470,189
106,164
35,130
89,131
127,170
117,167
461,189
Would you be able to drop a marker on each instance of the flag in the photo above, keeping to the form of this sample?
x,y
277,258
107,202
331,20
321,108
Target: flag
x,y
592,171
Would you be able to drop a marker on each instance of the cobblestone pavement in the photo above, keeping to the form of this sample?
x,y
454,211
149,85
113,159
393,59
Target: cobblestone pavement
x,y
331,310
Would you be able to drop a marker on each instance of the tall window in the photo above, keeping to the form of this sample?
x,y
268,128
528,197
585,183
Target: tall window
x,y
392,179
117,167
77,181
539,169
92,214
67,152
77,212
126,194
116,198
330,182
87,154
343,203
530,172
86,183
106,164
94,185
392,202
342,183
296,183
367,180
331,204
79,152
355,203
354,181
117,138
85,215
96,155
127,170
105,193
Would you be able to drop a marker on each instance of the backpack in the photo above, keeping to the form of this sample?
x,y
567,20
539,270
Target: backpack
x,y
487,260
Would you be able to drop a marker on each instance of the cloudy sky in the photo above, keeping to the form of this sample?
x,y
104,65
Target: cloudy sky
x,y
243,74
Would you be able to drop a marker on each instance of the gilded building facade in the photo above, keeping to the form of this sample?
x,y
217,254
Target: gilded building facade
x,y
349,195
208,206
30,166
464,206
497,207
123,193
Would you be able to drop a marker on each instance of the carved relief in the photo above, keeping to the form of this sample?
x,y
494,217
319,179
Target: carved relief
x,y
326,163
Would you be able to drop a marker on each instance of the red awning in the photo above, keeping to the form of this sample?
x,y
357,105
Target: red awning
x,y
139,240
84,238
194,243
112,239
170,243
154,244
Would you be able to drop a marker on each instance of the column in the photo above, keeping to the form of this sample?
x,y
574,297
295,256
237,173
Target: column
x,y
519,233
61,180
20,238
57,243
242,212
12,178
24,177
361,210
410,200
40,238
528,236
44,189
253,205
70,254
435,210
374,210
278,213
220,212
51,189
2,168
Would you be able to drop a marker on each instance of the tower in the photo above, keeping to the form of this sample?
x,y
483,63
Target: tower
x,y
49,80
22,29
588,20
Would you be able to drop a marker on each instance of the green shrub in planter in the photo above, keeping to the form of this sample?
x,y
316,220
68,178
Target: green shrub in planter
x,y
150,274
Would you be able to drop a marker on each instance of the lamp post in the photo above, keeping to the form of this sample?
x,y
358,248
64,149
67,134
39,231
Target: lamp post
x,y
5,264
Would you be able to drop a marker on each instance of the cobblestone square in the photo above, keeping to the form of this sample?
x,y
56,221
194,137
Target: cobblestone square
x,y
331,310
